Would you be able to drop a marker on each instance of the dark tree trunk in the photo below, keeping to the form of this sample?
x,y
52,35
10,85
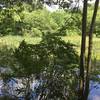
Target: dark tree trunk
x,y
90,50
82,55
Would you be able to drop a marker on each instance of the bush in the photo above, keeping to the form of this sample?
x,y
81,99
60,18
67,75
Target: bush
x,y
39,20
52,62
36,23
6,56
59,17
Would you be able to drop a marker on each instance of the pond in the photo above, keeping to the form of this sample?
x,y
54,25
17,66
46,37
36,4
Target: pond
x,y
17,83
94,90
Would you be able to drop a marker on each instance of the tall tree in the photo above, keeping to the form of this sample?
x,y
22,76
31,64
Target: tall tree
x,y
82,55
86,92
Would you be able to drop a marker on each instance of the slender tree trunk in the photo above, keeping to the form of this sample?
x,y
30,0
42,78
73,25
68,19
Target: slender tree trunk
x,y
82,55
90,50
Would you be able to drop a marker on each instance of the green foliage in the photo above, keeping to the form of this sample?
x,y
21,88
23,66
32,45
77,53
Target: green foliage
x,y
53,60
97,24
71,25
59,17
29,57
6,56
10,21
57,80
34,23
39,22
28,17
7,59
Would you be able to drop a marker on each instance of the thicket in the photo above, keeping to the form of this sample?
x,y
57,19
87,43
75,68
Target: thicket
x,y
52,62
25,21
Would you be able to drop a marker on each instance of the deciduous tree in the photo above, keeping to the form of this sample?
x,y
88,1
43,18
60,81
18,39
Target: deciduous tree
x,y
82,55
90,44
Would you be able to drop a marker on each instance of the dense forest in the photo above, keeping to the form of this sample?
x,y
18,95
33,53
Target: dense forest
x,y
49,49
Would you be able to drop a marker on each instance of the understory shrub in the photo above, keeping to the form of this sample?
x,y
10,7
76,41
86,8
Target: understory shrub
x,y
53,63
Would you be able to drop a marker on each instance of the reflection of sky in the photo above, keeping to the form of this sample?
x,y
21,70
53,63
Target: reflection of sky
x,y
16,83
94,91
94,88
12,84
1,83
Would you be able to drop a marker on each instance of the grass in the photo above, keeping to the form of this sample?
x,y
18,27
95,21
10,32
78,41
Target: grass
x,y
77,41
14,41
7,46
